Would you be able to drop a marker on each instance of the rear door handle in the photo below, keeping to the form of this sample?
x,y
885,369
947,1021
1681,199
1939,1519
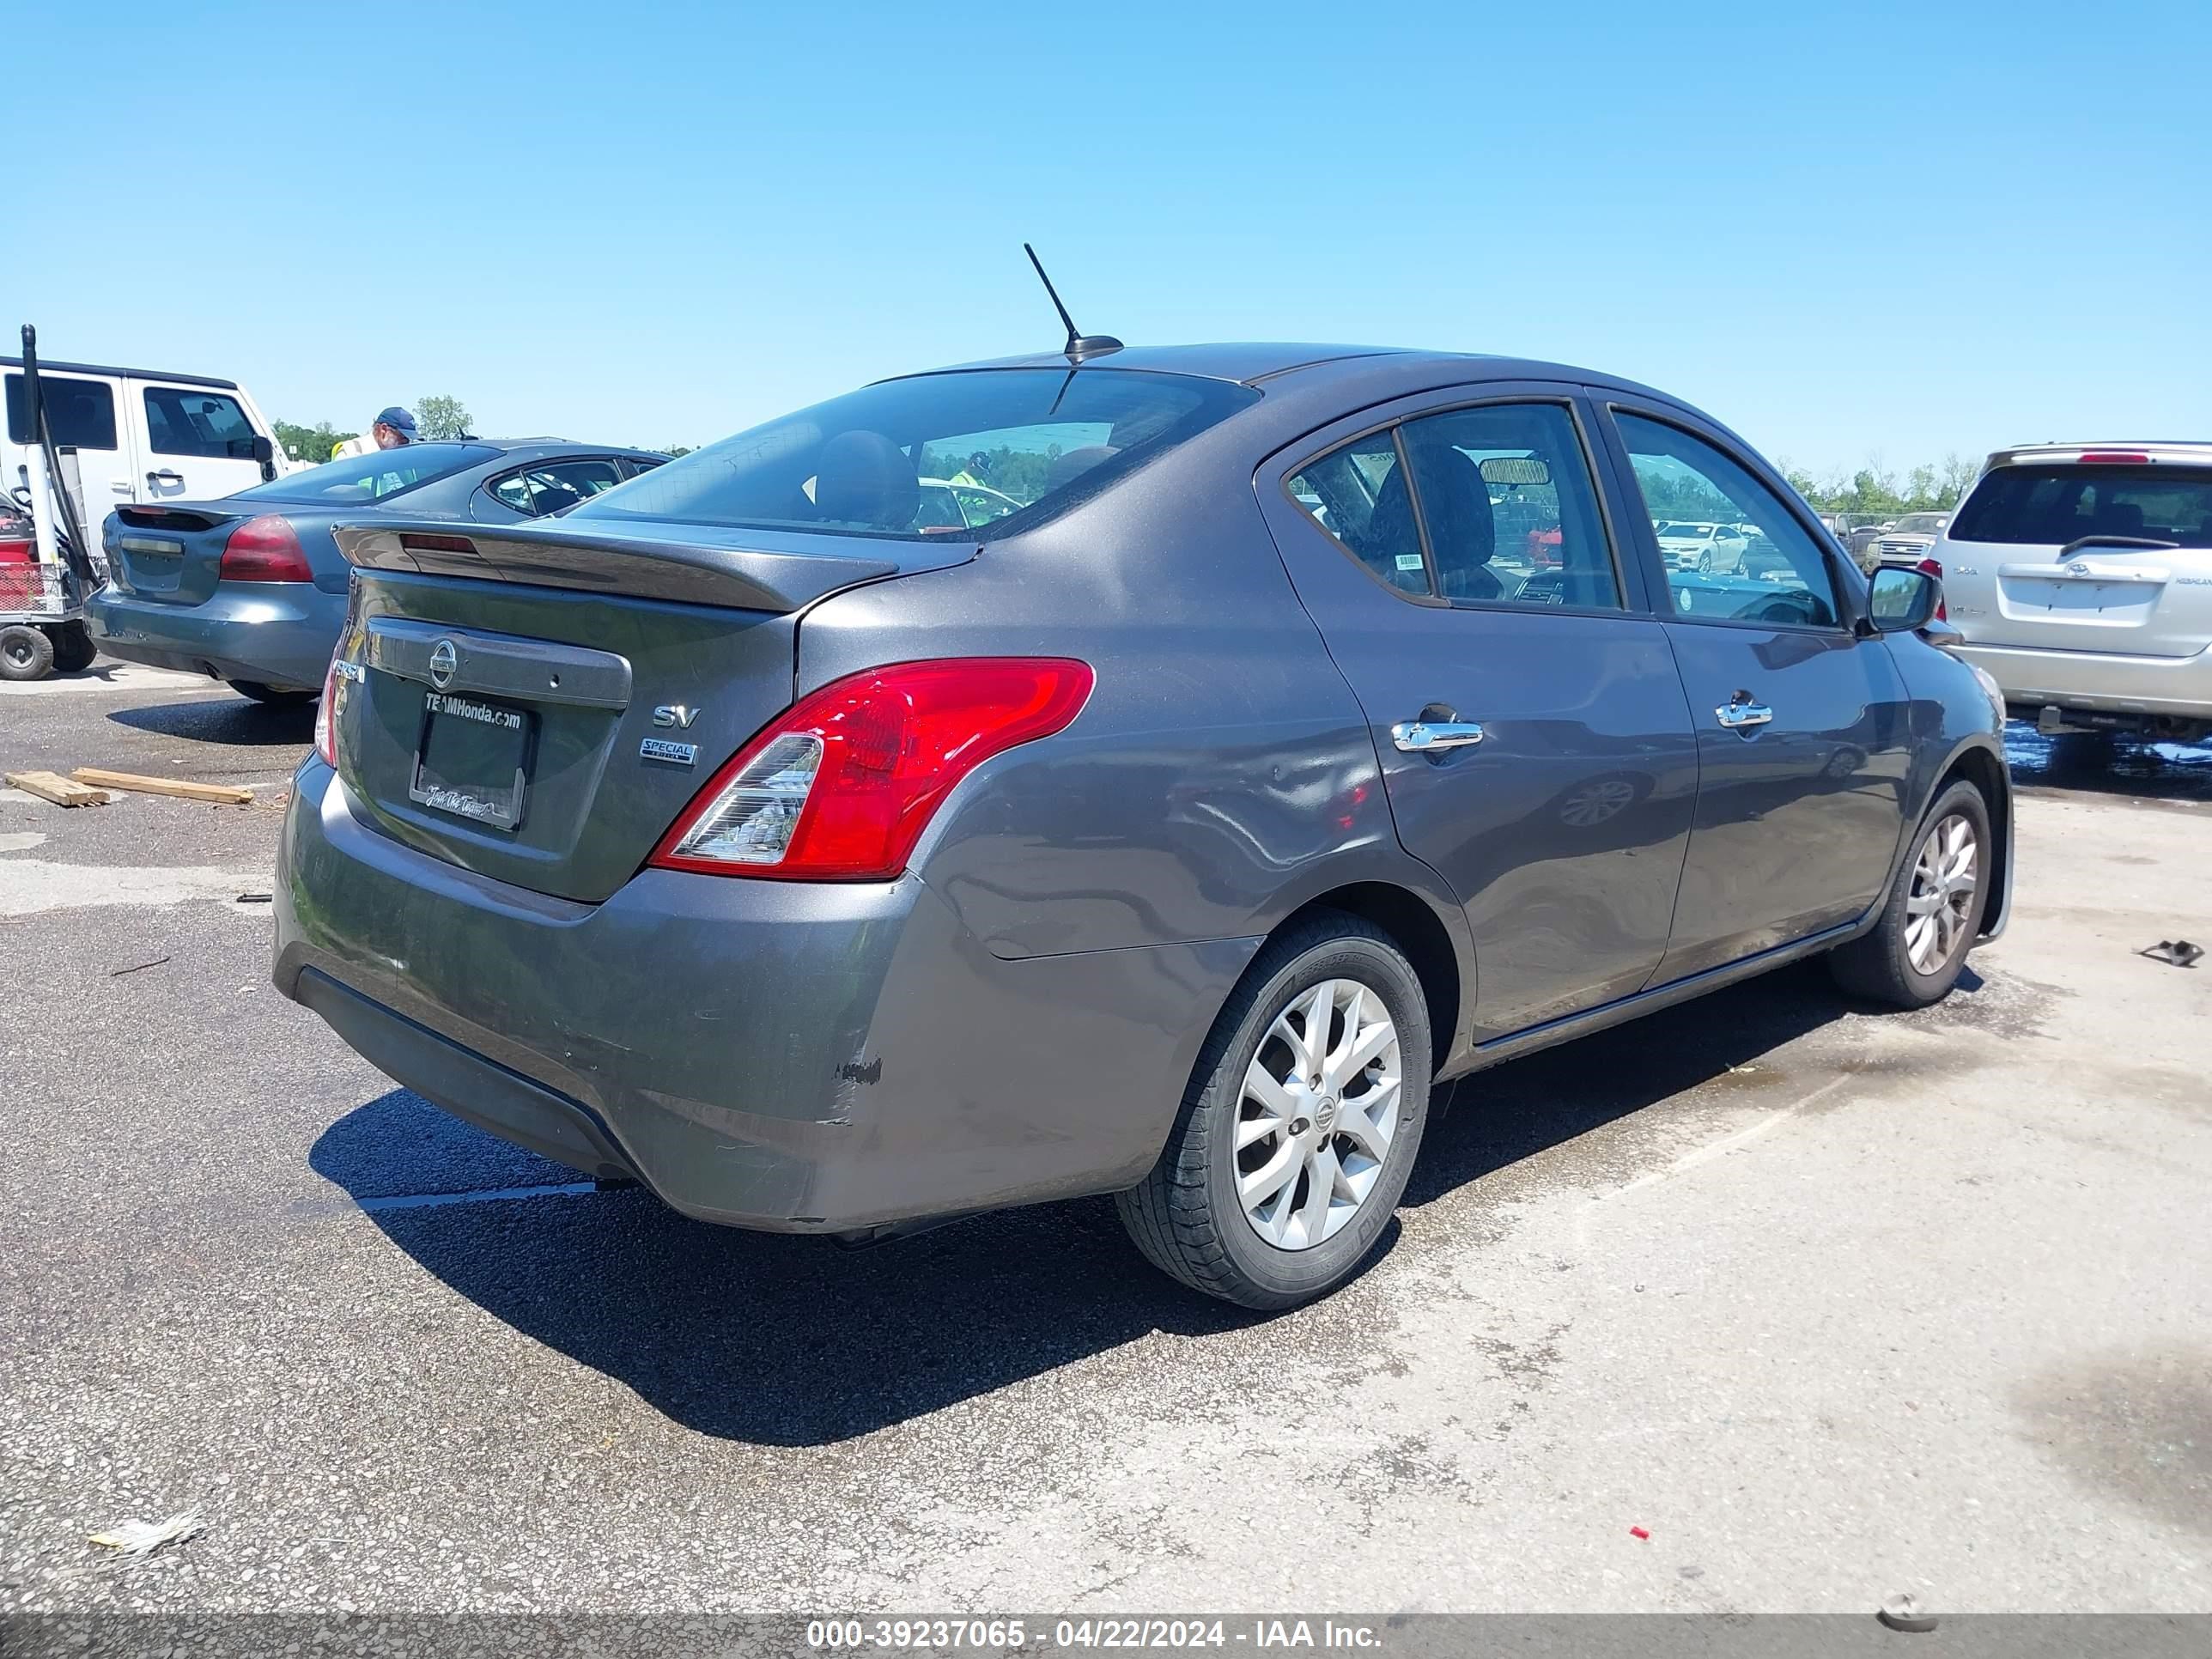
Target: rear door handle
x,y
1741,711
164,476
1420,737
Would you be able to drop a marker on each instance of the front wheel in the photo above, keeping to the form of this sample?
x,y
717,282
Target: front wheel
x,y
1301,1124
1933,911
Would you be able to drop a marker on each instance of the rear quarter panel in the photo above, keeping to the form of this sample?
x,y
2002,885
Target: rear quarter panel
x,y
1221,775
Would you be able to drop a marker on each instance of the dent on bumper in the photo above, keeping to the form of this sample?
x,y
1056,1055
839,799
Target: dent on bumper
x,y
791,1056
280,633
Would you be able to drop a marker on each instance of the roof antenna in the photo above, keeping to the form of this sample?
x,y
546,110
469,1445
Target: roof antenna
x,y
1078,346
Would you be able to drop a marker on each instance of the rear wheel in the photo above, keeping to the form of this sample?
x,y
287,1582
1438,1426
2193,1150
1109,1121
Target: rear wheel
x,y
1933,911
73,651
25,653
1301,1125
275,696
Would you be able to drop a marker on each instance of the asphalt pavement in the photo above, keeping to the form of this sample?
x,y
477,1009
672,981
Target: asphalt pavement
x,y
1830,1304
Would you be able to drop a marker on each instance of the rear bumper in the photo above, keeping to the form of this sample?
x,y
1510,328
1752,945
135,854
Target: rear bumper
x,y
789,1056
2177,686
279,633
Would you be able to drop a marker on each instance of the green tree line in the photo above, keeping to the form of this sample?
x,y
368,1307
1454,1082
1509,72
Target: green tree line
x,y
1876,488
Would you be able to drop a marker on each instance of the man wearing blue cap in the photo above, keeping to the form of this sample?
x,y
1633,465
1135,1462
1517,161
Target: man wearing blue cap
x,y
394,429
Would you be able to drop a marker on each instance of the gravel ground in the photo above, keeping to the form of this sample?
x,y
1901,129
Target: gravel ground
x,y
1831,1305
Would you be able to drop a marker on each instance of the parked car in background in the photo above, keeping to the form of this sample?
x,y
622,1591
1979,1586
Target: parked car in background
x,y
250,587
1690,546
1169,837
143,435
2080,576
1910,539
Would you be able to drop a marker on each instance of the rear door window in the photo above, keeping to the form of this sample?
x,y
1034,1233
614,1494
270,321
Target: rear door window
x,y
2054,506
1357,492
81,414
1511,516
555,486
211,425
1500,511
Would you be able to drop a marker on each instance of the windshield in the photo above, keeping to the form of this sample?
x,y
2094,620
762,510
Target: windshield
x,y
1019,442
1920,524
376,476
2053,506
1687,533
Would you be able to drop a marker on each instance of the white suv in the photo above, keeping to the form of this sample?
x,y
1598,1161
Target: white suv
x,y
2081,578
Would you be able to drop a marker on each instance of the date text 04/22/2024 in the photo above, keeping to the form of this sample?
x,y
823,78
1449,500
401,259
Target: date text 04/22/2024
x,y
1000,1634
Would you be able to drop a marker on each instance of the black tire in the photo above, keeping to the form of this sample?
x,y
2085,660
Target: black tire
x,y
1186,1216
1878,965
73,651
276,696
25,652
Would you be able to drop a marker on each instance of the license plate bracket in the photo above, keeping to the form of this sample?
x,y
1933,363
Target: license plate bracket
x,y
472,759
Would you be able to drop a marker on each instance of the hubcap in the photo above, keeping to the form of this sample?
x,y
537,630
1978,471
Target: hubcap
x,y
1941,901
1317,1113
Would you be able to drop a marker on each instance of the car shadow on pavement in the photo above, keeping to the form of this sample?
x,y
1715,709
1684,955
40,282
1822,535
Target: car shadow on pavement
x,y
1498,1116
786,1340
774,1340
236,721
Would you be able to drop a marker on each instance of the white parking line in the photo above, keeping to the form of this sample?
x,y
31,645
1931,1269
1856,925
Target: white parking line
x,y
106,676
1727,1143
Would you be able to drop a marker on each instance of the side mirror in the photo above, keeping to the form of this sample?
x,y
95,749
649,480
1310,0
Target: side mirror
x,y
1900,600
264,451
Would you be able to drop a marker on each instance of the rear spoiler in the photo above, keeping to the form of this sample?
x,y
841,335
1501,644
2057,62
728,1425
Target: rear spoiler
x,y
135,516
643,566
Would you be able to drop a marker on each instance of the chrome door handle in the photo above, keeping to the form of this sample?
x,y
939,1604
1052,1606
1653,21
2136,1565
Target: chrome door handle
x,y
1419,737
1737,715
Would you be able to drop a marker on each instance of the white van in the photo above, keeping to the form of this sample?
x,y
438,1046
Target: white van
x,y
141,436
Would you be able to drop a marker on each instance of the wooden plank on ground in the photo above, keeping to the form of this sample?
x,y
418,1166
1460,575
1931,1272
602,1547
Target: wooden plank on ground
x,y
51,786
217,794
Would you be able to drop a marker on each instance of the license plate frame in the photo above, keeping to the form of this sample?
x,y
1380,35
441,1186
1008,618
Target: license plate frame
x,y
475,799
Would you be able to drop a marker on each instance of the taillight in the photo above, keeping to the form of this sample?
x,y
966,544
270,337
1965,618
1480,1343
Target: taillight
x,y
327,717
1935,568
842,787
2113,458
265,549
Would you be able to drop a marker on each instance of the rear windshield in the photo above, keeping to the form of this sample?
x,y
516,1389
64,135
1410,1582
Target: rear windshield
x,y
1001,448
376,476
2052,506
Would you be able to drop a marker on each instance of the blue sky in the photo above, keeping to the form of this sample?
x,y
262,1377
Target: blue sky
x,y
1890,230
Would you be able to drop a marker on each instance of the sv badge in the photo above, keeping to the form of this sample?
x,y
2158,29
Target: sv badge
x,y
675,714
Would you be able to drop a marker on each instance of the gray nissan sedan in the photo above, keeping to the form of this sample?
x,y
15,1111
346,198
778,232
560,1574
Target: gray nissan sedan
x,y
1322,724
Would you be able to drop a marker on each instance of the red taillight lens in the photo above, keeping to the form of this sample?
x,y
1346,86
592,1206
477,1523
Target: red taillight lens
x,y
326,718
1935,568
842,787
265,549
2113,458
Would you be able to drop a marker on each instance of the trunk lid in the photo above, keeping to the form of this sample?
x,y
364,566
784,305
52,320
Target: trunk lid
x,y
2105,557
537,704
170,553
